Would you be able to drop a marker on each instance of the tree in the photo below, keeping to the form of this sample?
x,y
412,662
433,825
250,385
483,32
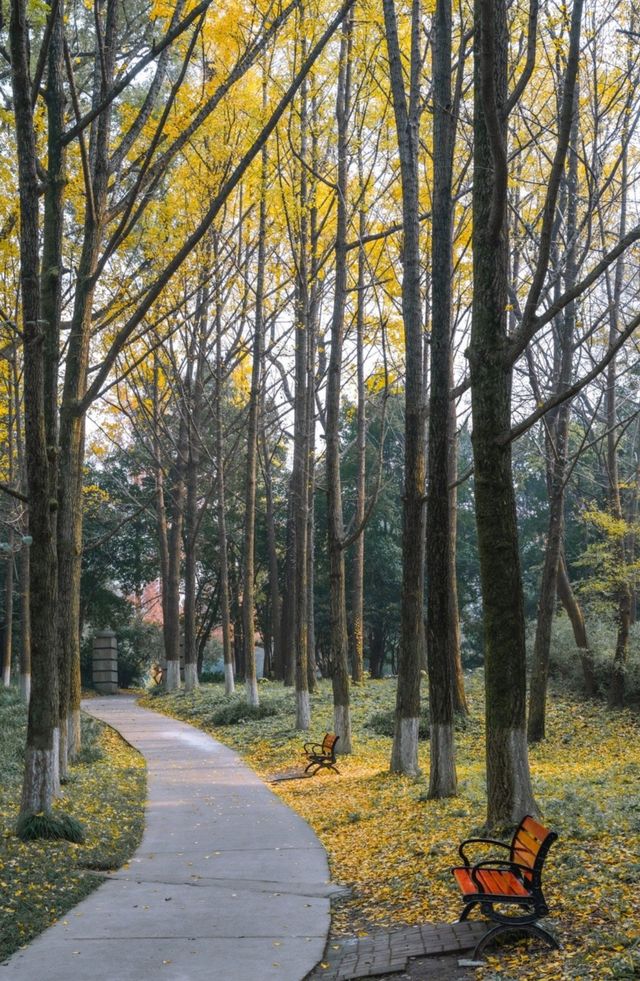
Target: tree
x,y
404,756
509,790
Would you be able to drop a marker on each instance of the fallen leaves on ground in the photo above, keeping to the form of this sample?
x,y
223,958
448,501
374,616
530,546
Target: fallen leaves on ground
x,y
394,847
41,880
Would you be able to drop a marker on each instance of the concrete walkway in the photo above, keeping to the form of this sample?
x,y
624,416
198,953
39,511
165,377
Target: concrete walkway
x,y
228,884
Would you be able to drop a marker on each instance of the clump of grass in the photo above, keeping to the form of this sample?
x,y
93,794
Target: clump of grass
x,y
237,712
54,826
383,722
91,750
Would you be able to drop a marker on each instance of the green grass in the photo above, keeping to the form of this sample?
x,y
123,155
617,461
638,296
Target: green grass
x,y
41,880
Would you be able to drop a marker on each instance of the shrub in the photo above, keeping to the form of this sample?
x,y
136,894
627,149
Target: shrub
x,y
383,723
55,826
235,712
565,658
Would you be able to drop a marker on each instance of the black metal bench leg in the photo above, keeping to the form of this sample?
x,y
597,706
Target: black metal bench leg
x,y
532,928
466,911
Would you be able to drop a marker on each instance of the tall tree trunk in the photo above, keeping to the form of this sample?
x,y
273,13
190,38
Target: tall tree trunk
x,y
288,618
25,625
299,477
311,511
404,754
357,589
191,518
459,696
274,584
248,599
41,755
558,428
576,616
225,610
338,642
174,547
509,790
441,613
623,611
23,576
72,425
7,634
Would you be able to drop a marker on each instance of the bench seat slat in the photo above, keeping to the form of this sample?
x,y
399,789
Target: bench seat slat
x,y
501,883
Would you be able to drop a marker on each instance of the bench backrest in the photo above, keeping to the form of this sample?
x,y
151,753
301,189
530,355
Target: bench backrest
x,y
529,848
329,745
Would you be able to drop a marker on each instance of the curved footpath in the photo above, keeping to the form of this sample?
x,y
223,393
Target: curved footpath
x,y
228,884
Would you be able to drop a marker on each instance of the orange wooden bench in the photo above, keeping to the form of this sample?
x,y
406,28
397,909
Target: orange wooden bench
x,y
322,755
497,884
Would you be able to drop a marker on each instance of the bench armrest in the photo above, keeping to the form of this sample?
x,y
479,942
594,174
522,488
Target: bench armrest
x,y
483,841
313,747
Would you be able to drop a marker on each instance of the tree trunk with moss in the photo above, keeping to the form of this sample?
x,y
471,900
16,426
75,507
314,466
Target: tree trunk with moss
x,y
509,790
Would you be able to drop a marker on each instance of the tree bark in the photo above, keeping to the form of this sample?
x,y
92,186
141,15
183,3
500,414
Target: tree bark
x,y
574,612
623,611
225,611
7,634
193,410
509,790
25,639
558,429
357,589
404,754
72,423
41,776
274,583
248,599
441,613
338,643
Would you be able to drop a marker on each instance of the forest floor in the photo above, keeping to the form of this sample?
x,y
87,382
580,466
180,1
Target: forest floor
x,y
393,847
41,880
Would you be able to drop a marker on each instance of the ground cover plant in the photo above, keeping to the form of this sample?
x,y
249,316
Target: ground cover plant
x,y
40,881
394,847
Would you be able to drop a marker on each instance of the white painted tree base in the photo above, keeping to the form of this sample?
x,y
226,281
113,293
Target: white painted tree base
x,y
6,677
172,676
25,688
442,777
191,677
229,683
404,754
41,777
342,728
251,690
303,710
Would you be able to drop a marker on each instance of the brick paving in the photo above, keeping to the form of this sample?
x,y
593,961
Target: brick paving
x,y
389,951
